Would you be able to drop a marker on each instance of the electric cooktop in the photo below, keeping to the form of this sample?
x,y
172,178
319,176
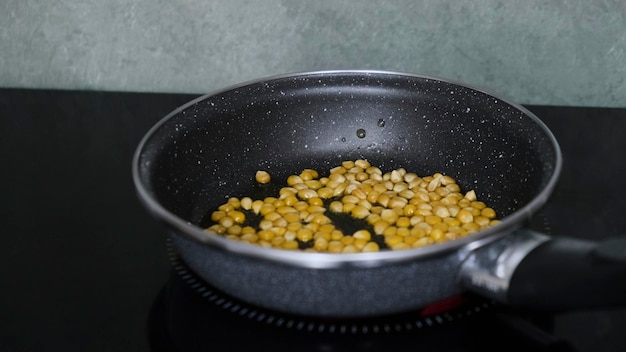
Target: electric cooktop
x,y
85,268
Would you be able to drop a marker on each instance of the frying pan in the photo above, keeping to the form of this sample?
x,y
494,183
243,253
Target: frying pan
x,y
196,157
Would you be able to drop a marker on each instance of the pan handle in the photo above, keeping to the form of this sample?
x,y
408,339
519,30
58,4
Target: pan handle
x,y
530,270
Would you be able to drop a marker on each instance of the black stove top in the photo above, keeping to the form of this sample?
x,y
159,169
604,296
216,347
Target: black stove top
x,y
85,268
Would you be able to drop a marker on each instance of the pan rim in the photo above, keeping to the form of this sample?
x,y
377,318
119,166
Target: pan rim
x,y
318,260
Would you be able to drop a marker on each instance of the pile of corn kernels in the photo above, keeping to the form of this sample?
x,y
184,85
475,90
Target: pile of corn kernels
x,y
399,210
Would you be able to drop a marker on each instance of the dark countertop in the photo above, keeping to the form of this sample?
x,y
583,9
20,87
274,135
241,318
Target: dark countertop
x,y
82,262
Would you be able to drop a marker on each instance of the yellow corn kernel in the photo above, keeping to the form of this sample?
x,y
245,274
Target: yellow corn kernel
x,y
290,199
478,205
350,199
380,226
267,208
271,216
383,199
250,237
362,163
226,221
326,227
441,211
301,206
234,230
389,215
285,209
393,240
437,234
262,177
454,210
407,194
304,234
335,246
416,219
403,231
325,192
336,235
226,207
290,245
452,222
417,232
370,247
217,215
481,221
217,228
294,225
247,230
453,187
465,216
349,249
235,202
372,197
277,241
400,188
294,179
471,227
432,219
347,207
233,237
489,213
397,202
360,212
390,231
336,177
359,243
410,239
265,224
246,203
309,174
287,191
361,176
312,226
313,184
424,241
320,219
280,222
359,193
400,246
237,216
403,221
433,184
307,194
266,235
362,234
442,191
320,244
316,201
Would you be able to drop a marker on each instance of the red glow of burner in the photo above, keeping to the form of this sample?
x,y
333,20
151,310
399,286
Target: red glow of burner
x,y
444,305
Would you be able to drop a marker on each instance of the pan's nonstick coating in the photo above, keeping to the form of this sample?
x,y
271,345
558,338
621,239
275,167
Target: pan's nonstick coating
x,y
213,148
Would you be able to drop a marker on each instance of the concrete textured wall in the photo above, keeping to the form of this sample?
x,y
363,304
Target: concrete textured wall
x,y
556,52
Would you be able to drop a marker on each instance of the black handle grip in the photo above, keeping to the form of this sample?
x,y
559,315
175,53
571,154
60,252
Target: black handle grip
x,y
565,273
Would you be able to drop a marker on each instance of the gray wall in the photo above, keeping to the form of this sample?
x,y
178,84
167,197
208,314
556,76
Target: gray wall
x,y
561,52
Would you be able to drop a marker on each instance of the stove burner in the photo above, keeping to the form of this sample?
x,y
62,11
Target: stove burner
x,y
437,314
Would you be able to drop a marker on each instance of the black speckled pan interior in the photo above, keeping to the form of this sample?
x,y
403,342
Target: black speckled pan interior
x,y
211,149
